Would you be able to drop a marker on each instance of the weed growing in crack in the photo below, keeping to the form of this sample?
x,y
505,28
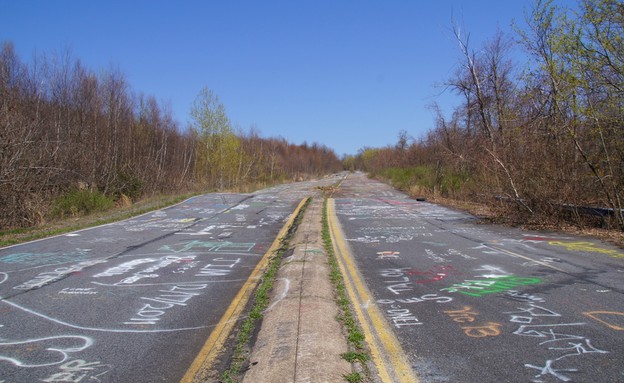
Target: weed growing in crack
x,y
260,303
355,337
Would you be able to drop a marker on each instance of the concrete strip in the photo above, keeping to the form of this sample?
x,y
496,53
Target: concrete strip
x,y
300,339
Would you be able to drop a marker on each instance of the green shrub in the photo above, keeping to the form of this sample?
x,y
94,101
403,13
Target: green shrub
x,y
127,184
78,202
445,181
405,178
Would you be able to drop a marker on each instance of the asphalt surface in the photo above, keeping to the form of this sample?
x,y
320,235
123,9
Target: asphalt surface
x,y
134,301
479,303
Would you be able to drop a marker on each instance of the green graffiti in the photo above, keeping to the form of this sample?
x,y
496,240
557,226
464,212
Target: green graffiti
x,y
480,287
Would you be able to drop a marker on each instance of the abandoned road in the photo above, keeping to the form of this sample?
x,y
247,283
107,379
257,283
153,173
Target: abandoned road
x,y
139,300
134,301
481,303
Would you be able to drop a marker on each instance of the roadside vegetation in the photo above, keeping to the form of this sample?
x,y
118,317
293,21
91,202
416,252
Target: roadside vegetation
x,y
93,218
74,141
536,140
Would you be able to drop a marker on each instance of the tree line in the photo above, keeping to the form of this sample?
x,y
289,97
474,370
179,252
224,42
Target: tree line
x,y
65,129
544,136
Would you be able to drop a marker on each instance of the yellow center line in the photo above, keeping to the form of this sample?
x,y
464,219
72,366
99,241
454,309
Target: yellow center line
x,y
216,341
387,354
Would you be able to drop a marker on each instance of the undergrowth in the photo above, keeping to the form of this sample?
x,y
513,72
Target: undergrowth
x,y
425,179
80,202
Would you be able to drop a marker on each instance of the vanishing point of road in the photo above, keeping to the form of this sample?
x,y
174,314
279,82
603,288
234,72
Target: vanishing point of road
x,y
452,299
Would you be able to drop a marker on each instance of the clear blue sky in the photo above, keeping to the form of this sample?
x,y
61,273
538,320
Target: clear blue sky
x,y
347,74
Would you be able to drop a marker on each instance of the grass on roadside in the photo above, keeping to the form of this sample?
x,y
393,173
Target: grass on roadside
x,y
83,210
81,202
355,337
21,235
261,301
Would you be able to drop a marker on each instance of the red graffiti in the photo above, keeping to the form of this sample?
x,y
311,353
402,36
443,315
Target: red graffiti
x,y
434,274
